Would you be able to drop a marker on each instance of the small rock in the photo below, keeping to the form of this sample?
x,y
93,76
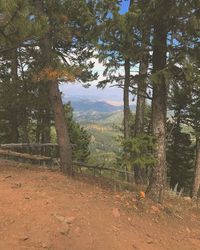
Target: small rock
x,y
27,197
65,230
24,238
69,220
134,246
188,230
63,219
150,241
116,212
44,245
59,217
12,221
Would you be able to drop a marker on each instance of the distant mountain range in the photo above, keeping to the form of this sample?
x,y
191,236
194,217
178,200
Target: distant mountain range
x,y
94,106
87,110
87,105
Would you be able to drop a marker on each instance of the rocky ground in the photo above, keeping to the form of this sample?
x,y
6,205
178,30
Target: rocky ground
x,y
41,209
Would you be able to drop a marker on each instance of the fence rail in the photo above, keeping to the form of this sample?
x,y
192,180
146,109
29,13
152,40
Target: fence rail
x,y
15,151
27,145
99,167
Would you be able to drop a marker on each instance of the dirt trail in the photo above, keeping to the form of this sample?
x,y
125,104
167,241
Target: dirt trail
x,y
40,209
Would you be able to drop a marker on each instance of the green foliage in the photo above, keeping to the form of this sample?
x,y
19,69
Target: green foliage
x,y
138,151
71,33
180,160
181,127
79,137
18,25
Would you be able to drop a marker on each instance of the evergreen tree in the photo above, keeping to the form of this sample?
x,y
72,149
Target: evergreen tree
x,y
180,159
79,137
118,52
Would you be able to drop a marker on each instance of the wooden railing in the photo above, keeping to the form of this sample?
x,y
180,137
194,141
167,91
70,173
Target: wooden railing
x,y
47,154
32,152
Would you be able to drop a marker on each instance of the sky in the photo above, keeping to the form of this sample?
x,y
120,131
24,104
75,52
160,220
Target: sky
x,y
124,6
74,91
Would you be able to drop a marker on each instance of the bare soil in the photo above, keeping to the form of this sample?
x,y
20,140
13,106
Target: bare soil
x,y
42,209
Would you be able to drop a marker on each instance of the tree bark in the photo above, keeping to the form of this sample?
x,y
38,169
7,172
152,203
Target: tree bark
x,y
64,143
14,137
65,149
157,181
173,179
141,100
126,98
196,184
139,173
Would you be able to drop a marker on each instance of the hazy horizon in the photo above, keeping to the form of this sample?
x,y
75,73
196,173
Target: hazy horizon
x,y
76,91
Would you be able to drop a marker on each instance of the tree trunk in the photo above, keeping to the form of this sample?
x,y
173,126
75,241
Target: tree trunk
x,y
141,100
126,98
65,149
139,173
25,117
196,184
14,137
61,128
173,180
126,106
158,176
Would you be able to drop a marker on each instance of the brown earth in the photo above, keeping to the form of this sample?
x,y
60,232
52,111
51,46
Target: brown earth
x,y
41,209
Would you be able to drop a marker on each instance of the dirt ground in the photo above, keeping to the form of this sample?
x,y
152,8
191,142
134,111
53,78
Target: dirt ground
x,y
42,209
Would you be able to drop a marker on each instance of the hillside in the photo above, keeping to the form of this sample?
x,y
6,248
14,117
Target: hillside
x,y
86,110
103,126
105,130
41,209
98,117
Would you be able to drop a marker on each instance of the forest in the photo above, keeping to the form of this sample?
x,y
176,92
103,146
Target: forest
x,y
151,52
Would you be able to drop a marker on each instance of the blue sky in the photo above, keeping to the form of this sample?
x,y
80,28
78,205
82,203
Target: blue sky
x,y
73,91
124,6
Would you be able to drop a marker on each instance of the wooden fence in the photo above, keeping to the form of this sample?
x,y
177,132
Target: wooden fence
x,y
47,154
42,154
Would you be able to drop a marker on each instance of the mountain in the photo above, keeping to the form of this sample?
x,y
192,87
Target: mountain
x,y
86,110
85,105
87,117
94,106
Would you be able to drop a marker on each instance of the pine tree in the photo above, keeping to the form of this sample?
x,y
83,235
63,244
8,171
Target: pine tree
x,y
157,181
180,159
66,47
79,137
66,39
118,51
